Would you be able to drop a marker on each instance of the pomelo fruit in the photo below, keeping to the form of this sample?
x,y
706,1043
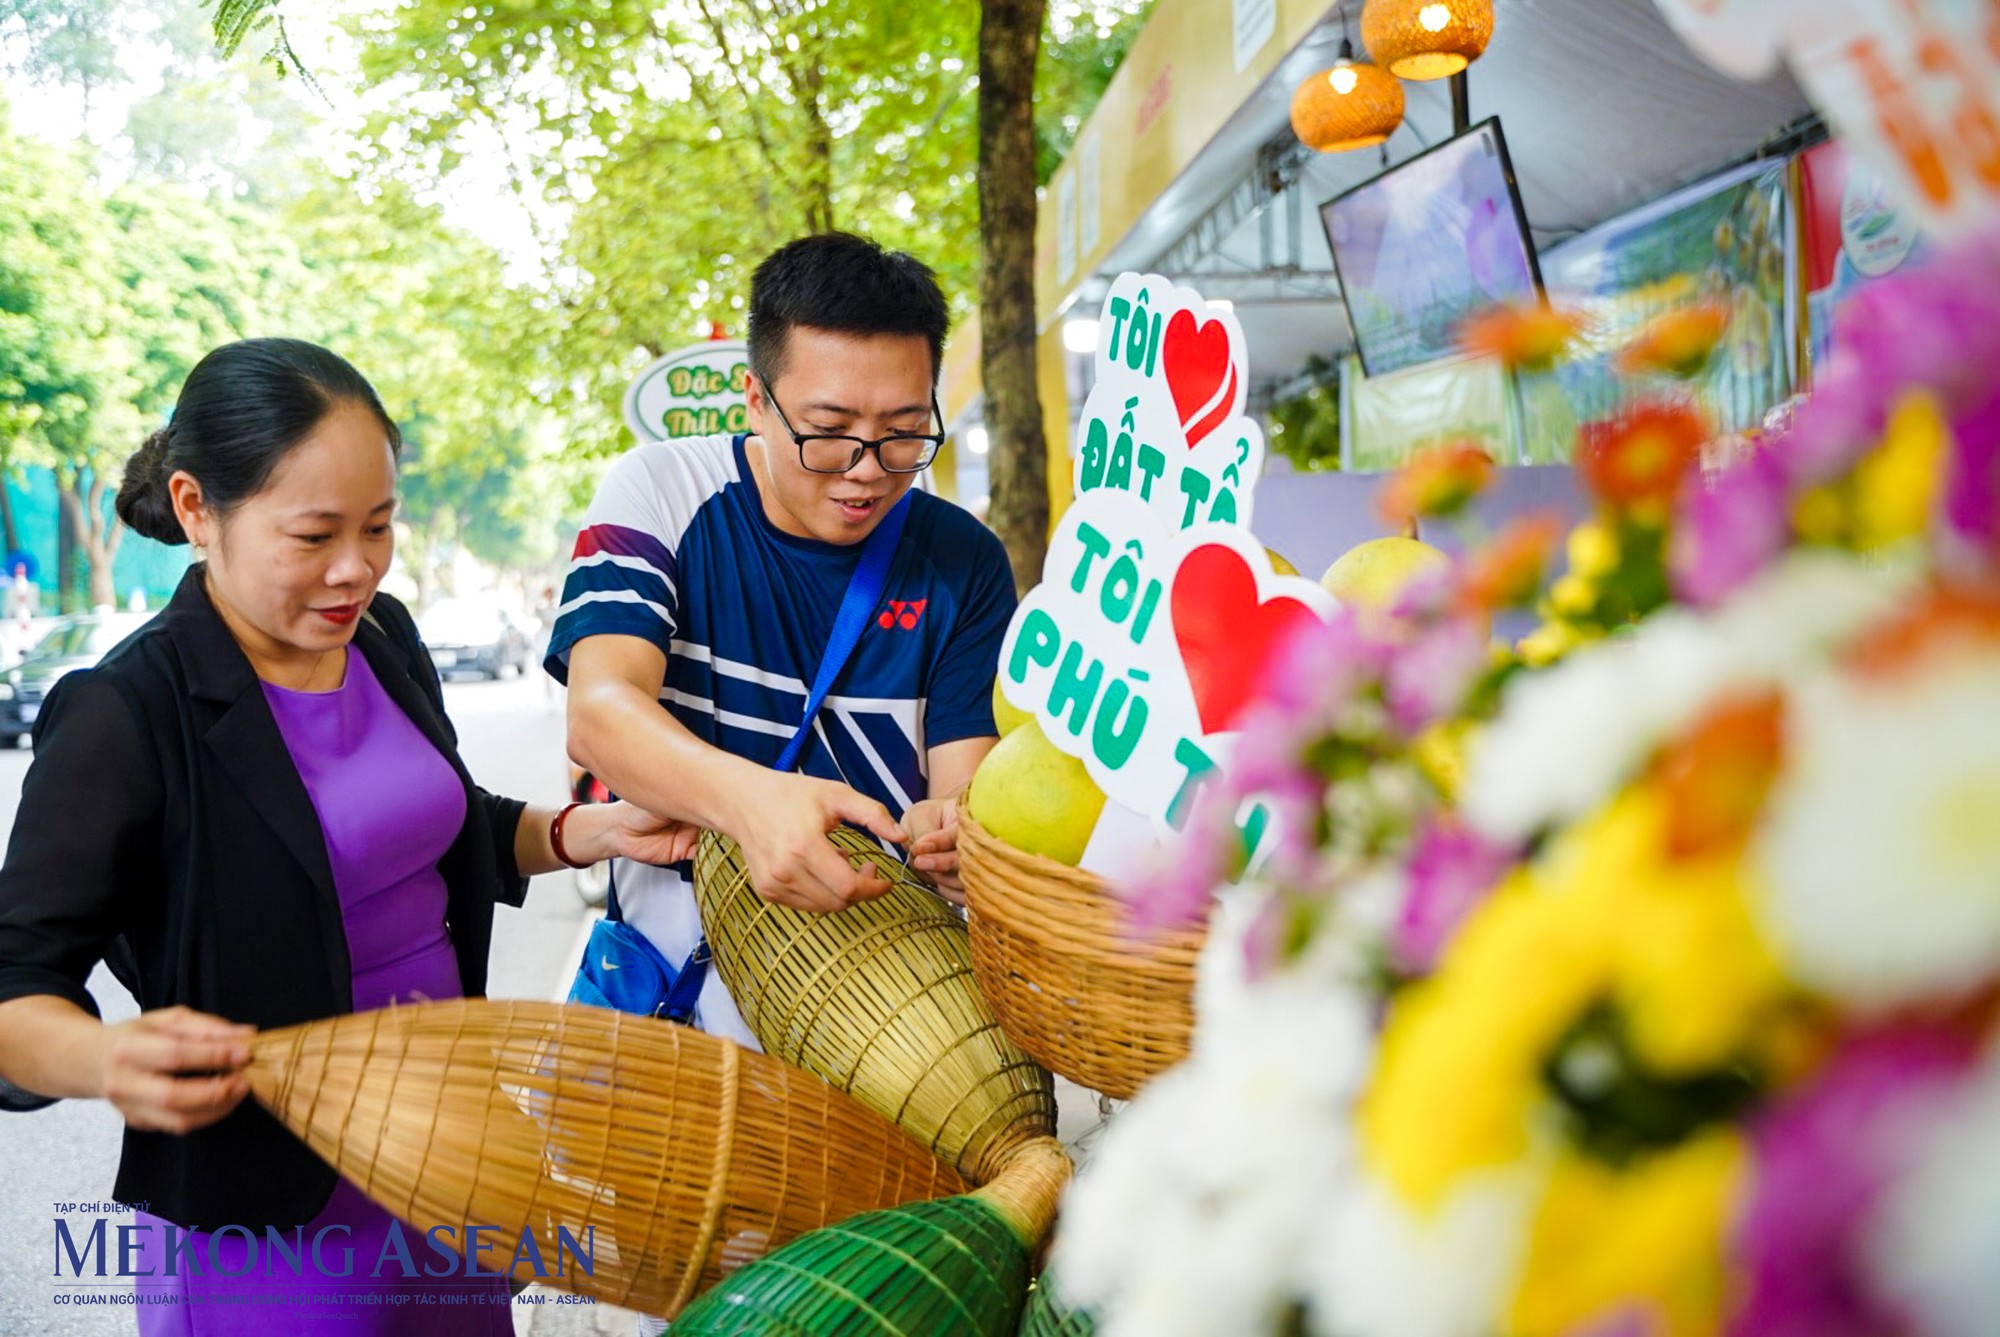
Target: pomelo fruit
x,y
1006,715
1035,797
1373,575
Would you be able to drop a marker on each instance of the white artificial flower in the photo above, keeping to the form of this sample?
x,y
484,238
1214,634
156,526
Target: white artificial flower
x,y
1881,848
1786,622
1935,1241
1567,738
1198,1205
1380,1268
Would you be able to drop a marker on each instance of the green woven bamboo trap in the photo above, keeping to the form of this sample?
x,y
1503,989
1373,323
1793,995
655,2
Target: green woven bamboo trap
x,y
880,1000
953,1268
1047,1314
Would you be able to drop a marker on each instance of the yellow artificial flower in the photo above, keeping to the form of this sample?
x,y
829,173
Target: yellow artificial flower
x,y
1818,516
1572,596
1896,485
1647,1238
1547,643
1593,552
1440,752
1603,914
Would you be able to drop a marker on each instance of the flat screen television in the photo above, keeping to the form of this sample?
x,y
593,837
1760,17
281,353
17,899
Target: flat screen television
x,y
1428,243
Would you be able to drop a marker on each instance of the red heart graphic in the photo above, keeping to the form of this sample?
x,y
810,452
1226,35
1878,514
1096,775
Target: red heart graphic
x,y
1199,371
1226,636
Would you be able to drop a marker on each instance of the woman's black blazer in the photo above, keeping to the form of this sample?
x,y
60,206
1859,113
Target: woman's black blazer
x,y
163,809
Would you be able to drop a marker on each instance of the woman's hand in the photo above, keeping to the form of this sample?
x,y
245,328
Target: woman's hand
x,y
634,833
174,1070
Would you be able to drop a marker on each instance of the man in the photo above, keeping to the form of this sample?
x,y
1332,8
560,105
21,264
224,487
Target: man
x,y
707,579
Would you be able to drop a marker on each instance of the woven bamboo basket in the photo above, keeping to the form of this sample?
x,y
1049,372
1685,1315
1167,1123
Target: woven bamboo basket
x,y
954,1268
673,1156
1066,976
880,1000
1047,1314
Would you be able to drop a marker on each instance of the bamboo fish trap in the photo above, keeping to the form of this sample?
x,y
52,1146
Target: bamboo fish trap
x,y
957,1266
879,999
1048,1314
673,1157
1065,974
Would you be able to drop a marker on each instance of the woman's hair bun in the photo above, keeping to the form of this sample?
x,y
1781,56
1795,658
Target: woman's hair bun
x,y
143,500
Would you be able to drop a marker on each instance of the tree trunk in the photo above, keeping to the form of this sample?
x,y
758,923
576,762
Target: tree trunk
x,y
1010,33
65,548
97,535
8,531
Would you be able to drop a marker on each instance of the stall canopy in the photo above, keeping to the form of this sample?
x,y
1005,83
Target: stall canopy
x,y
1189,168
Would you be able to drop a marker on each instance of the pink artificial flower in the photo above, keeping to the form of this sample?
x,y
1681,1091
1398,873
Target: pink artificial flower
x,y
1729,529
1935,325
1970,546
1319,666
1822,1158
1452,869
1429,678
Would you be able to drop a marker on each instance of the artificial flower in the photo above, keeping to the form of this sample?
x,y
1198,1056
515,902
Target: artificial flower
x,y
1971,530
1896,486
1631,1249
1824,1157
1436,482
1881,849
1451,869
1506,571
1638,461
1715,777
1729,528
1930,1245
1529,337
1677,342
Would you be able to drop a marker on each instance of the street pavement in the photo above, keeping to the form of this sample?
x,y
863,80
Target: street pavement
x,y
511,735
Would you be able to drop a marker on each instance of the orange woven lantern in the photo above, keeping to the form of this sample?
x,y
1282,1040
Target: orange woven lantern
x,y
1426,39
1354,105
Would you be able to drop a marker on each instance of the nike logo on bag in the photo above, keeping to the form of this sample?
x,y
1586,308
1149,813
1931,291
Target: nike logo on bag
x,y
606,963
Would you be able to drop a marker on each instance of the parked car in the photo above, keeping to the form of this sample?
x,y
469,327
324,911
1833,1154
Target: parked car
x,y
474,636
75,642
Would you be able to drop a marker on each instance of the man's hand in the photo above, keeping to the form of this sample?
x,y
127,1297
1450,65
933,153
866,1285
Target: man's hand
x,y
933,827
782,824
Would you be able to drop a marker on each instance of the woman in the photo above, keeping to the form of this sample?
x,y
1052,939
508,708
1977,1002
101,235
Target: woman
x,y
256,808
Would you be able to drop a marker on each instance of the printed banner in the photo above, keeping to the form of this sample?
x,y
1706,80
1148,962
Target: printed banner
x,y
693,391
1911,86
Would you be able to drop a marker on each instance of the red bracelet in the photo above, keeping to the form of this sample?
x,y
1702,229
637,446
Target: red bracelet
x,y
555,837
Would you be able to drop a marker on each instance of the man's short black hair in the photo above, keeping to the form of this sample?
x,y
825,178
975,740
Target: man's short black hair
x,y
847,284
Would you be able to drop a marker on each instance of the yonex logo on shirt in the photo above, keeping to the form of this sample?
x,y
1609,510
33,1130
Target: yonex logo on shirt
x,y
902,613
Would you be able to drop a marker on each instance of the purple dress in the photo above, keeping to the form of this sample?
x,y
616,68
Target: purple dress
x,y
390,805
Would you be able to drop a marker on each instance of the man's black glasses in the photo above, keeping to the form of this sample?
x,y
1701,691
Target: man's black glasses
x,y
902,453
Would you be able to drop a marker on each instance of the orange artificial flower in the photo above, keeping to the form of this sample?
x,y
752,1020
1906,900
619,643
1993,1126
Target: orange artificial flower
x,y
1715,777
1507,571
1437,481
1637,461
1678,342
1942,619
1524,338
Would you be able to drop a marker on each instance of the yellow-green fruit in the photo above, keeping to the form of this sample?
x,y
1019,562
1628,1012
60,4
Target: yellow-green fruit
x,y
1280,563
1035,797
1006,715
1373,575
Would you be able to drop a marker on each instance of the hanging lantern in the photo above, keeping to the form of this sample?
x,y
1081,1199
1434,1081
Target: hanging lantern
x,y
1426,39
1354,105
